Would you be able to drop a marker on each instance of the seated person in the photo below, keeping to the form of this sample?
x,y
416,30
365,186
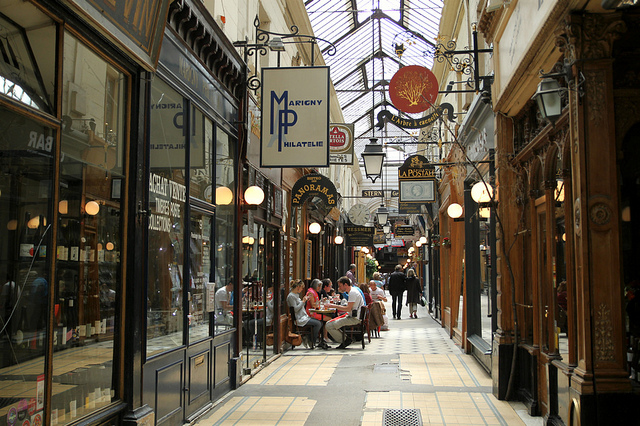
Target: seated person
x,y
365,291
327,288
224,304
377,294
302,319
354,303
314,303
377,279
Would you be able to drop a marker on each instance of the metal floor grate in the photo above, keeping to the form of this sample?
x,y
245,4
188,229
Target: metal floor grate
x,y
408,417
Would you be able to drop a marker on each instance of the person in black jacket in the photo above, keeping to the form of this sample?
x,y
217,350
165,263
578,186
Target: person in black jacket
x,y
396,289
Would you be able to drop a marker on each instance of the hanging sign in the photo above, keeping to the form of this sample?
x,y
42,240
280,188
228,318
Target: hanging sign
x,y
404,231
413,89
313,185
416,178
359,235
295,117
341,143
410,123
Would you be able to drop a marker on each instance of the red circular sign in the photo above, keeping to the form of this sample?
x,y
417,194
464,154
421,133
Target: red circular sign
x,y
413,89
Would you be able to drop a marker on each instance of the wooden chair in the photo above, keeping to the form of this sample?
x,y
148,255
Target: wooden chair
x,y
358,330
301,330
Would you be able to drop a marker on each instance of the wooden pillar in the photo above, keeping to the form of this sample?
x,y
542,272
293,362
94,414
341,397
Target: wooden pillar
x,y
601,367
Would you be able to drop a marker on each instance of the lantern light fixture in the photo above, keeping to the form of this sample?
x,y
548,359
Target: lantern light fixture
x,y
481,192
454,210
315,228
224,196
253,195
386,228
373,158
338,239
382,214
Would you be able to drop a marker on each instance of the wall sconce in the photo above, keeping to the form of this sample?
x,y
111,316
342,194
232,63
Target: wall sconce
x,y
382,214
63,207
454,211
338,239
481,192
373,157
253,196
224,196
548,95
92,208
315,228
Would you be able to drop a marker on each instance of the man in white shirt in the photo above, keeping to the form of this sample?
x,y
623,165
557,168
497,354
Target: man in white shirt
x,y
223,298
355,301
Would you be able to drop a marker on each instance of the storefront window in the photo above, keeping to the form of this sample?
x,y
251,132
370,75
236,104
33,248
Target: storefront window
x,y
88,265
200,289
26,188
167,199
225,245
201,157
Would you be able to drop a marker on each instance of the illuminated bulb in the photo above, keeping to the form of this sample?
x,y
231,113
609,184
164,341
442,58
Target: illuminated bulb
x,y
418,243
92,208
338,240
481,192
454,210
109,246
315,228
224,196
423,240
254,195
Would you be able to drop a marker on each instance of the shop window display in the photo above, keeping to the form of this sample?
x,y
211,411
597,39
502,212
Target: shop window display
x,y
89,233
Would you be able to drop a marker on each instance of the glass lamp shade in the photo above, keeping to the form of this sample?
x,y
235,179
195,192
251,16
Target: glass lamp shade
x,y
423,240
224,196
382,214
386,228
254,195
481,192
338,240
373,157
315,228
548,99
245,240
484,212
454,210
92,208
418,244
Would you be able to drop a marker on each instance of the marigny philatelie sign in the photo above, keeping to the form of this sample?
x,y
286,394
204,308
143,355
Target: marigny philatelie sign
x,y
295,117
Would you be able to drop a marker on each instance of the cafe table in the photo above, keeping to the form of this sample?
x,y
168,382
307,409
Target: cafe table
x,y
323,312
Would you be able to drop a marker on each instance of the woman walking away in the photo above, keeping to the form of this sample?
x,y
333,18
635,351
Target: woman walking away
x,y
414,292
396,289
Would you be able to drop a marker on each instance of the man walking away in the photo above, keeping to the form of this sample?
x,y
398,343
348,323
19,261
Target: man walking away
x,y
396,289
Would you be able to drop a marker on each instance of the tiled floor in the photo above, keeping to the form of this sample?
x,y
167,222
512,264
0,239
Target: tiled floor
x,y
414,365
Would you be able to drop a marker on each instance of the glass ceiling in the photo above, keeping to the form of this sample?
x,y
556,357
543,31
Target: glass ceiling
x,y
366,33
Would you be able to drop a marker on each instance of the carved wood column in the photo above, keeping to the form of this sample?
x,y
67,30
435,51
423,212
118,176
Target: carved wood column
x,y
600,322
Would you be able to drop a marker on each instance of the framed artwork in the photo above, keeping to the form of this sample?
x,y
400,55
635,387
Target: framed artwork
x,y
417,191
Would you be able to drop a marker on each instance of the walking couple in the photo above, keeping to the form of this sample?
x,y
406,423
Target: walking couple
x,y
398,283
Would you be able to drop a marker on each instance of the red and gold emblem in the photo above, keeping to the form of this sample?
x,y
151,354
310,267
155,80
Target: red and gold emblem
x,y
413,89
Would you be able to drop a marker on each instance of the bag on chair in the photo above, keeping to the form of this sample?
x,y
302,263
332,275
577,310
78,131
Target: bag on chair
x,y
294,339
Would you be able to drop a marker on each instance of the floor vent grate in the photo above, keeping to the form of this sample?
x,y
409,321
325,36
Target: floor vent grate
x,y
409,417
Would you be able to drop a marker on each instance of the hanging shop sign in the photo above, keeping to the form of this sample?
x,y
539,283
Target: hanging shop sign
x,y
413,89
409,208
341,143
416,178
313,185
295,117
371,193
359,235
404,231
136,26
410,123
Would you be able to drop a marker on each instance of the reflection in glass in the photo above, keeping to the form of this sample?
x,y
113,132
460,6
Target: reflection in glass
x,y
200,273
26,191
224,227
167,198
88,274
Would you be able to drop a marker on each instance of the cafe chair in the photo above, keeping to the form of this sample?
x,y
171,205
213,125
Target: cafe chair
x,y
358,331
301,330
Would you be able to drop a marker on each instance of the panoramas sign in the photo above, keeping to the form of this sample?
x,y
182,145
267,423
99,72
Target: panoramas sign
x,y
295,117
313,185
341,143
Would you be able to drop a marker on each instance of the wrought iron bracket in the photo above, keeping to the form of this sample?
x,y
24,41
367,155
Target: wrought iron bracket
x,y
464,61
262,46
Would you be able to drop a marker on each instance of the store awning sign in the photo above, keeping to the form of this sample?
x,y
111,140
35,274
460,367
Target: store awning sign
x,y
359,235
341,143
416,178
314,185
137,26
295,117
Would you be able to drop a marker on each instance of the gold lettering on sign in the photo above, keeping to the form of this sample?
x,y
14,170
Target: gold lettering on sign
x,y
140,14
